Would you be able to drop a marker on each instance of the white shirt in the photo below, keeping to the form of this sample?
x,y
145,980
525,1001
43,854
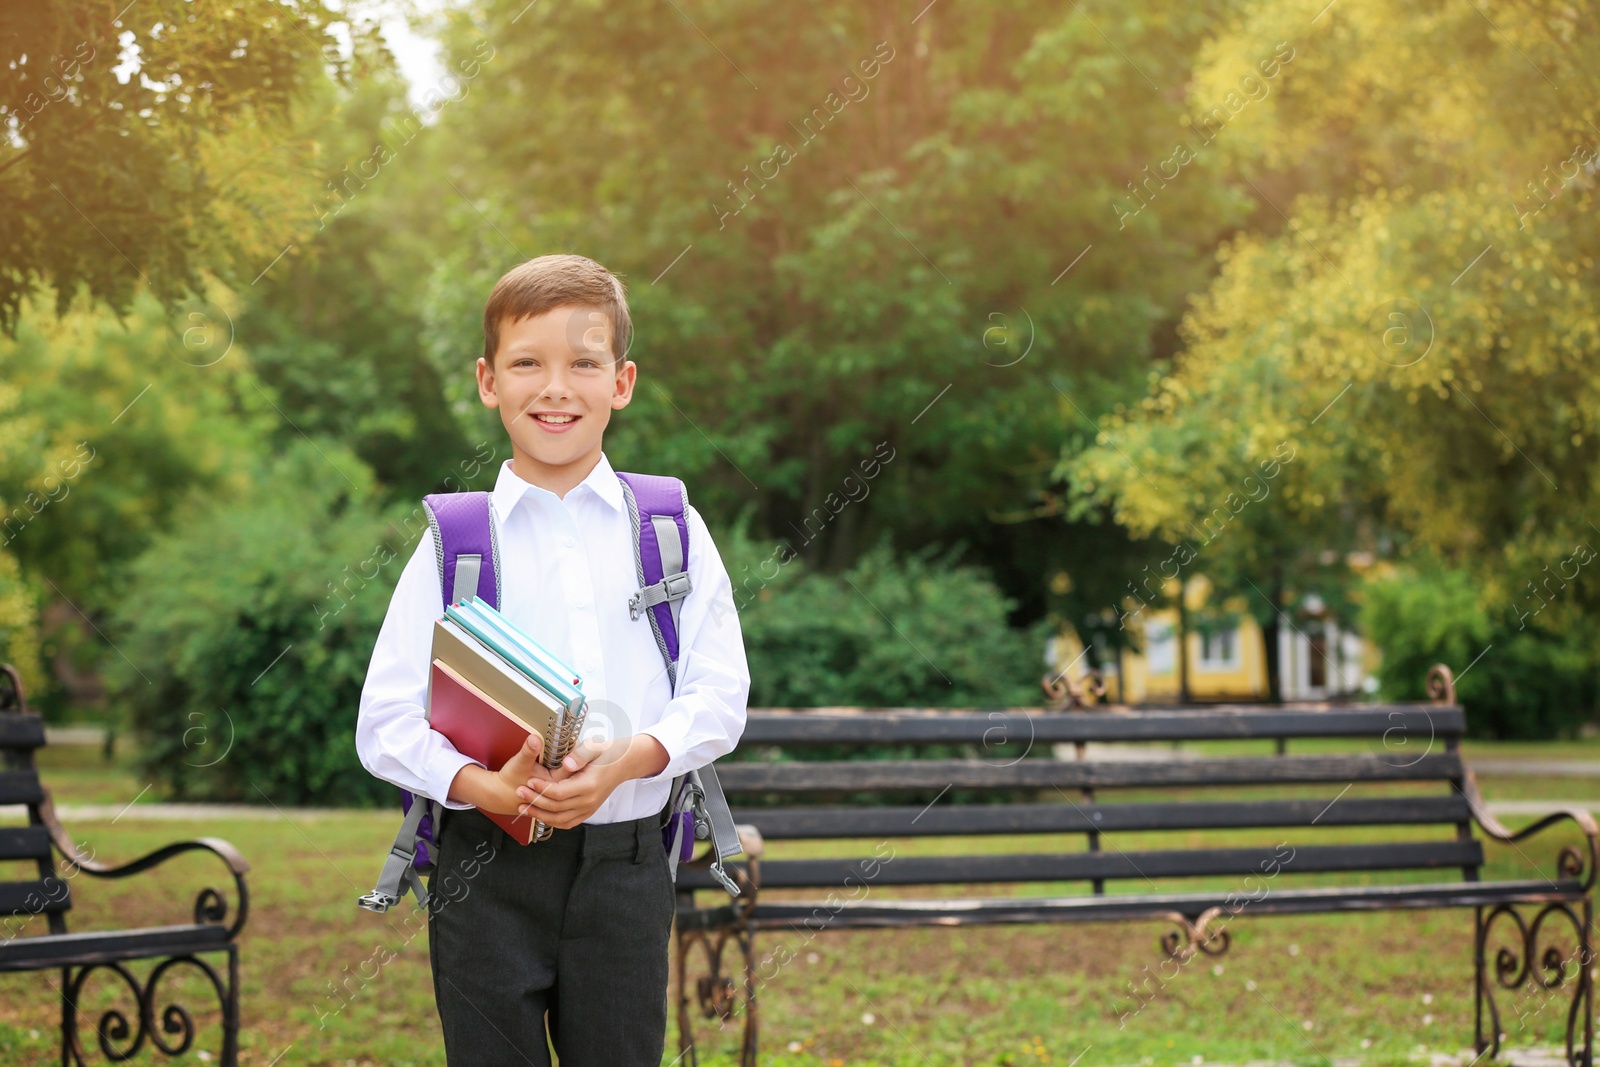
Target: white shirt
x,y
566,574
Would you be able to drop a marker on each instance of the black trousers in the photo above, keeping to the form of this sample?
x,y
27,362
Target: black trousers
x,y
573,930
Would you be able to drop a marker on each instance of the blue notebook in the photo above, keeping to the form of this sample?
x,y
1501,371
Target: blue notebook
x,y
513,645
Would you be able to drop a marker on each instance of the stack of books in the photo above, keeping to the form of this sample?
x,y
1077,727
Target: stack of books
x,y
491,686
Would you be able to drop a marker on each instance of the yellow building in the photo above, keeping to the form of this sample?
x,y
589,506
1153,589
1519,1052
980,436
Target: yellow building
x,y
1226,655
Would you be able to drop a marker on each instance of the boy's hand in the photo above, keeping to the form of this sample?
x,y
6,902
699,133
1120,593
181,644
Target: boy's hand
x,y
496,791
574,791
519,768
522,767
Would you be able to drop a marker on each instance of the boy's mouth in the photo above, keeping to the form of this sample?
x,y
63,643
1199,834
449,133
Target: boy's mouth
x,y
555,421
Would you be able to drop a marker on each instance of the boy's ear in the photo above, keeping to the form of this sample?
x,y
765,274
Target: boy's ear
x,y
486,392
627,374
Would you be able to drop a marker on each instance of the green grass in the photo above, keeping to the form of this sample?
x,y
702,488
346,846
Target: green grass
x,y
80,774
964,995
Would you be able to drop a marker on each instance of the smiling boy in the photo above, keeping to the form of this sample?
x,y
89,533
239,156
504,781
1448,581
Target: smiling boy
x,y
565,940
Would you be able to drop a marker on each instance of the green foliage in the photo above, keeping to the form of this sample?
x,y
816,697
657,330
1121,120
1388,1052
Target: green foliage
x,y
832,284
248,629
337,333
913,631
1407,310
917,630
351,369
19,626
106,423
153,144
1515,681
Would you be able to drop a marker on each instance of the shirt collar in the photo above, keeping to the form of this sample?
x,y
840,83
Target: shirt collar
x,y
509,488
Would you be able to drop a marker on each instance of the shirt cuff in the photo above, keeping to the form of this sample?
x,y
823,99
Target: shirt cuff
x,y
448,764
673,735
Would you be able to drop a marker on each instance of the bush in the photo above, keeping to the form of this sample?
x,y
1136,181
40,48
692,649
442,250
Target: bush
x,y
918,631
248,630
249,627
1531,683
19,627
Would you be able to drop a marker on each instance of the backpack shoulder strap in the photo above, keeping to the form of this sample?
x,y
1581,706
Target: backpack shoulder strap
x,y
466,546
467,551
658,507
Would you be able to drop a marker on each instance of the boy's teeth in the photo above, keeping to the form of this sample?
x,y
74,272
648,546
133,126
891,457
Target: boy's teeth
x,y
555,418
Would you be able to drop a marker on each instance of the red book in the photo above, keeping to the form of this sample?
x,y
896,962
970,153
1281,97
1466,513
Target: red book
x,y
479,728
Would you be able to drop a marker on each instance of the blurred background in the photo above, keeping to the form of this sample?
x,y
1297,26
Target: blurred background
x,y
1235,350
1238,350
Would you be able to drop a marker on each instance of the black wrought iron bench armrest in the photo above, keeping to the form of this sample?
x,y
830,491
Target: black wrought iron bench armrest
x,y
210,905
1569,863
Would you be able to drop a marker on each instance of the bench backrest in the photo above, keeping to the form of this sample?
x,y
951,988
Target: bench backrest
x,y
1003,786
21,734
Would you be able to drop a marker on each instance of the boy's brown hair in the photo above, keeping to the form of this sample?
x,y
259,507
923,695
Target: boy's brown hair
x,y
551,282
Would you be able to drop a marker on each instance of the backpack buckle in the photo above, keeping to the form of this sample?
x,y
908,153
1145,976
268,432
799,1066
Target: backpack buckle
x,y
722,876
377,902
672,587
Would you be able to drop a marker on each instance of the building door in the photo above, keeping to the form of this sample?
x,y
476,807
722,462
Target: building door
x,y
1319,660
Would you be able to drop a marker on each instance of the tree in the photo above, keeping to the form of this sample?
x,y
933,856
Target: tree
x,y
1414,321
106,428
870,249
110,425
147,146
1528,678
247,629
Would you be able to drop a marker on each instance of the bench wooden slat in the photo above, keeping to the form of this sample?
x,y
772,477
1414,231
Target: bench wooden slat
x,y
825,776
778,824
33,953
961,911
1406,727
24,843
21,731
20,787
1085,866
35,897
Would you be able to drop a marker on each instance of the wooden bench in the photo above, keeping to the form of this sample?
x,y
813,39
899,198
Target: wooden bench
x,y
77,955
1092,839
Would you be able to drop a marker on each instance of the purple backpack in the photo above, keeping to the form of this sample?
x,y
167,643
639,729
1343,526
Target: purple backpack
x,y
468,556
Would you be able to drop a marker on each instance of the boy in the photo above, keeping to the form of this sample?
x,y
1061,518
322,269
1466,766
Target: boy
x,y
571,931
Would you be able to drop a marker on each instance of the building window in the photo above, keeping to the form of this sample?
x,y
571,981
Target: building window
x,y
1160,649
1219,650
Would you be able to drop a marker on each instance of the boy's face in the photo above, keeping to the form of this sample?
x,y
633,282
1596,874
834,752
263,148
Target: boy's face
x,y
556,384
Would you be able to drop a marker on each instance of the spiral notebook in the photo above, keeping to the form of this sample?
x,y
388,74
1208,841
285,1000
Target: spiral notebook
x,y
487,704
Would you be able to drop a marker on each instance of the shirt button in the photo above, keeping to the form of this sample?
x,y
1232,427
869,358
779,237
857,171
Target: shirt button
x,y
569,542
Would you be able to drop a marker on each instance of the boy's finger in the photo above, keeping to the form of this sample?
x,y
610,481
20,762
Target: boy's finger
x,y
540,773
564,786
582,754
553,791
546,802
540,781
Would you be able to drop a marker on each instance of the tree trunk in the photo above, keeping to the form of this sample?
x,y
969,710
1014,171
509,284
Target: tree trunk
x,y
1183,647
1122,675
1269,637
